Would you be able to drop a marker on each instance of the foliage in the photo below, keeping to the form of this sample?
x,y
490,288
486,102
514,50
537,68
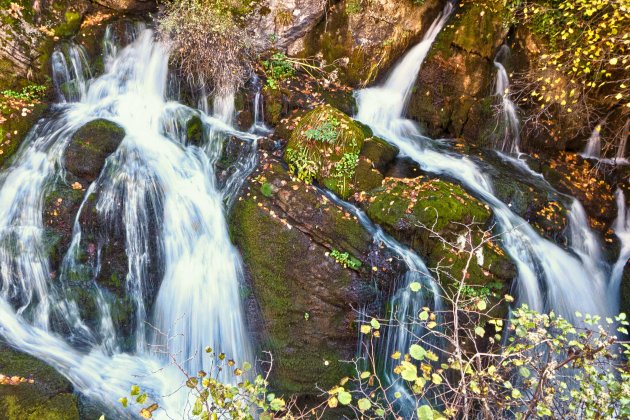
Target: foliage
x,y
301,164
465,362
344,170
214,399
208,41
277,68
585,65
345,259
326,132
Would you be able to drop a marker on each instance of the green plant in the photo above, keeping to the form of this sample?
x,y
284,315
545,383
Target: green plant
x,y
277,68
345,259
344,170
300,164
326,132
214,399
266,189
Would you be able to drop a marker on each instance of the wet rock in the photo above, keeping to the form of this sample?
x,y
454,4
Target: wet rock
x,y
49,396
364,38
85,155
129,5
286,232
437,219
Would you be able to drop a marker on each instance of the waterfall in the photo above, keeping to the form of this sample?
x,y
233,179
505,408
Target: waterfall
x,y
259,126
622,231
405,303
509,119
393,96
594,144
549,278
152,180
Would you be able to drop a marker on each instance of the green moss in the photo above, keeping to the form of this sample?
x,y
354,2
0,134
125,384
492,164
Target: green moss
x,y
325,145
194,130
70,26
49,397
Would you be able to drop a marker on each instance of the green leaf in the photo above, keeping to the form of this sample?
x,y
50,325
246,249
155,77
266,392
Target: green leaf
x,y
516,393
123,401
424,315
135,390
365,329
141,398
417,352
247,366
480,331
436,379
415,286
366,374
375,324
198,407
277,404
409,371
364,404
344,397
524,372
192,382
424,412
481,305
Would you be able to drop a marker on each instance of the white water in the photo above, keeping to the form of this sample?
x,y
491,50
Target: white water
x,y
509,123
405,303
593,148
622,231
152,178
549,278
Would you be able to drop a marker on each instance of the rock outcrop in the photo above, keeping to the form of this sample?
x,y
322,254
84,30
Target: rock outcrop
x,y
309,266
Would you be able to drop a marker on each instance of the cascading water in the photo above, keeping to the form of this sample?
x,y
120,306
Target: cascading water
x,y
259,125
594,144
152,180
405,303
622,231
509,124
549,278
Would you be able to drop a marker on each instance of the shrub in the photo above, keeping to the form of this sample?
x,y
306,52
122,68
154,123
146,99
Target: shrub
x,y
209,44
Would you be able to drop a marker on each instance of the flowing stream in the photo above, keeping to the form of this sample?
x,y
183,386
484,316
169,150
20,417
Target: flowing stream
x,y
549,277
163,190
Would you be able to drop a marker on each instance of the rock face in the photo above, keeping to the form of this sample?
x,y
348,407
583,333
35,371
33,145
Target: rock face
x,y
453,93
362,37
287,233
48,397
128,5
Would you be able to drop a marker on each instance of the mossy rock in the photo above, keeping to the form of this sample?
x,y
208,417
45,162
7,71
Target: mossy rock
x,y
49,397
325,147
194,130
285,231
90,146
417,210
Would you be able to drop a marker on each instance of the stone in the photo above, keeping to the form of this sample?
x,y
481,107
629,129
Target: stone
x,y
90,146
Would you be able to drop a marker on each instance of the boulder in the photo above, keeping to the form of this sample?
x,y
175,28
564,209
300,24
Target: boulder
x,y
453,93
341,154
437,219
90,146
